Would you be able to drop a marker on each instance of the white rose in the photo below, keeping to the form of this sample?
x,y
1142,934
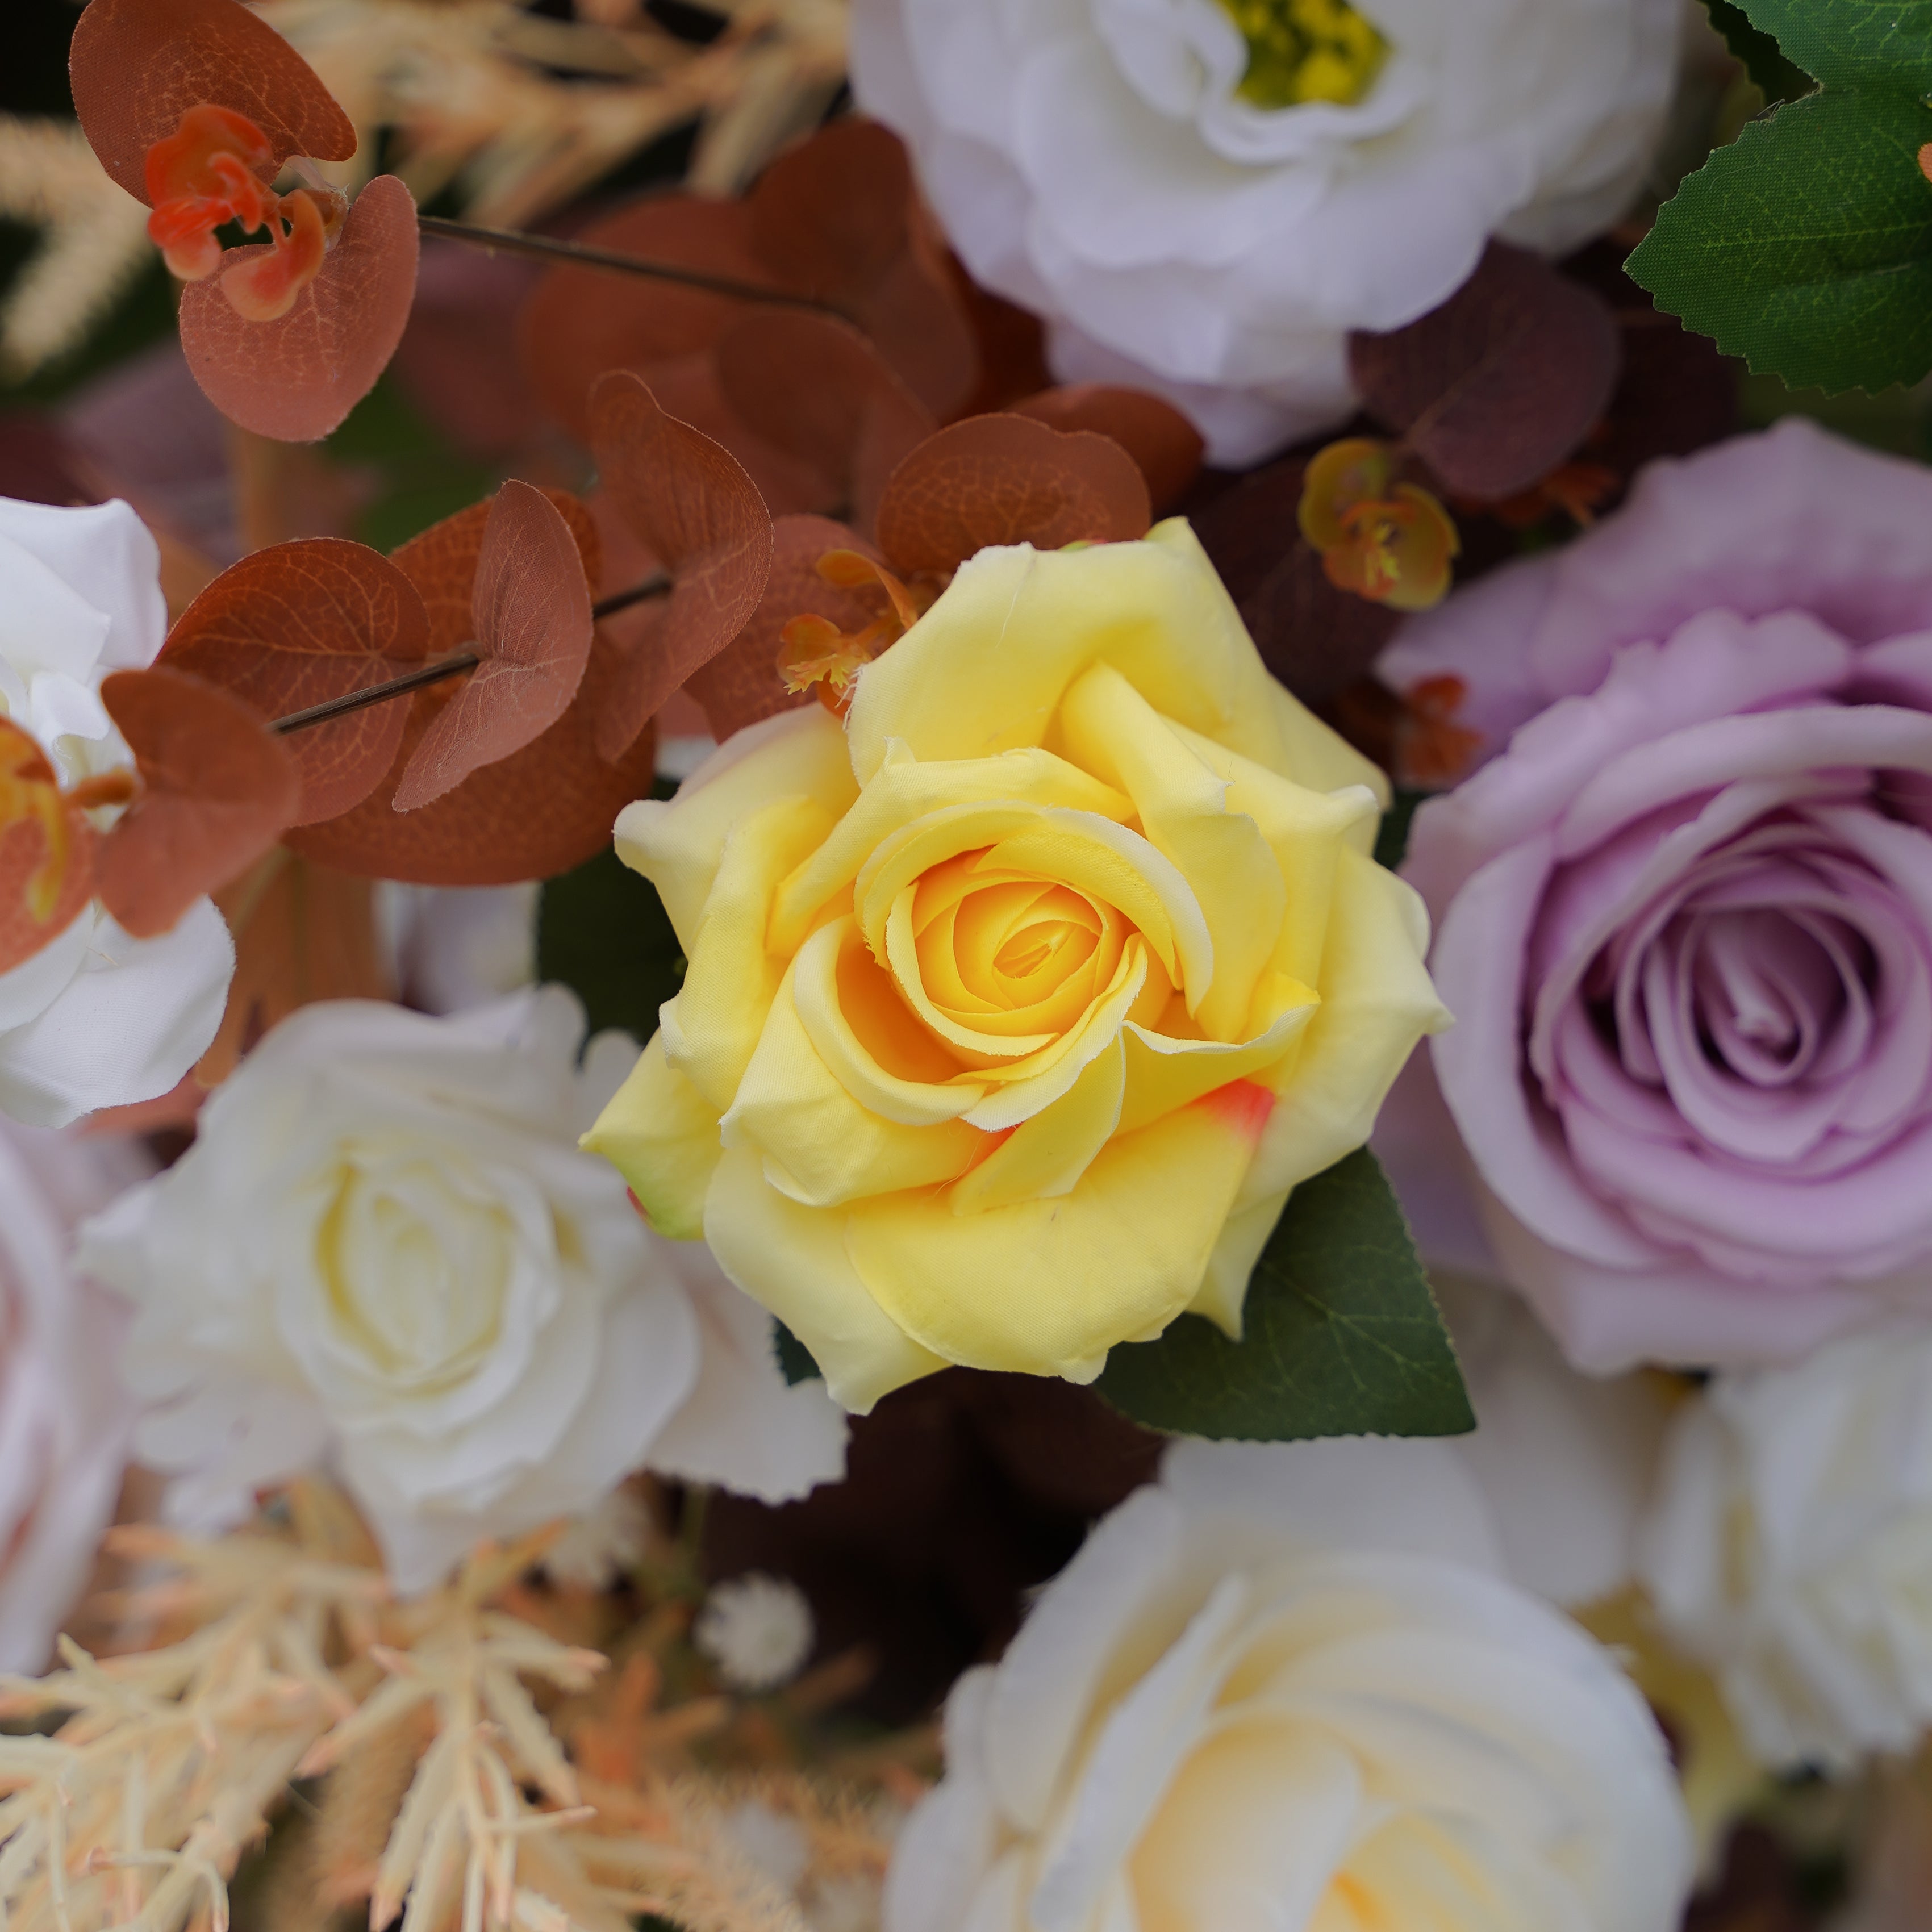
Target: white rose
x,y
94,1018
64,1417
385,1251
1286,1689
1789,1547
1141,173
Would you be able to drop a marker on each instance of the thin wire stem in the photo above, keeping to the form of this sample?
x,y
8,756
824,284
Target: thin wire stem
x,y
449,667
553,248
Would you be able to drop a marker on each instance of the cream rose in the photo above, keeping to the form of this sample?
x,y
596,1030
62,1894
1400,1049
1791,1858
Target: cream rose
x,y
95,1018
1016,1009
1205,196
1285,1688
384,1252
1789,1547
64,1417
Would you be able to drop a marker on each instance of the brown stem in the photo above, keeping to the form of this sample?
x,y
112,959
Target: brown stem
x,y
552,248
659,585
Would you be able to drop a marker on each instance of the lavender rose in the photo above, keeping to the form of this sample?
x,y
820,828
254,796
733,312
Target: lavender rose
x,y
1685,919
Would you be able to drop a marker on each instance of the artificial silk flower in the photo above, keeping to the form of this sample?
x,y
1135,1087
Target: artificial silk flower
x,y
385,1254
1204,196
94,1018
1017,1006
1288,1687
1789,1548
1684,918
64,1417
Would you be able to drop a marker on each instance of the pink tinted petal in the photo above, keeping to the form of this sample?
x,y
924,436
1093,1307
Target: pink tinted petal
x,y
1477,964
1792,519
1608,1320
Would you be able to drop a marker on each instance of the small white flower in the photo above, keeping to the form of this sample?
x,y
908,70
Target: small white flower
x,y
95,1018
1287,1687
757,1630
599,1547
385,1252
1205,195
1789,1548
64,1417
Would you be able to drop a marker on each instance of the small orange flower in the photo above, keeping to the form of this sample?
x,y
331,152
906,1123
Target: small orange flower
x,y
30,793
814,650
1392,543
209,172
1432,751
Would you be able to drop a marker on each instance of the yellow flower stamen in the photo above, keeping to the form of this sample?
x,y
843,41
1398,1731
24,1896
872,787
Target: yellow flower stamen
x,y
1303,50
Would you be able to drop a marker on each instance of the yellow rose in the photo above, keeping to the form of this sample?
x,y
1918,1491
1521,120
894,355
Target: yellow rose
x,y
1015,1008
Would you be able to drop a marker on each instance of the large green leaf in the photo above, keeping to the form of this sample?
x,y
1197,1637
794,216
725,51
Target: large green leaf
x,y
1884,44
1806,247
1778,78
1341,1335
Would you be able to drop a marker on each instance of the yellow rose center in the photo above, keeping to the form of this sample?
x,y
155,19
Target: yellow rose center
x,y
1302,50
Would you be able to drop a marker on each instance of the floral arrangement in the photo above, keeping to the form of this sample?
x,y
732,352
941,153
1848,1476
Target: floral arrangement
x,y
968,968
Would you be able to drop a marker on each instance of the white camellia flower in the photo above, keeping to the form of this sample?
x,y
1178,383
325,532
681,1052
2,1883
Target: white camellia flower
x,y
95,1018
385,1252
1286,1688
1789,1548
65,1416
1204,196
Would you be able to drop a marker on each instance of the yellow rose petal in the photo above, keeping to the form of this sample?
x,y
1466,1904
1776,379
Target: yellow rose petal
x,y
1164,1073
1377,1004
871,1042
984,670
1046,1156
1113,730
1048,1286
711,1027
822,1146
677,845
793,1260
660,1134
902,791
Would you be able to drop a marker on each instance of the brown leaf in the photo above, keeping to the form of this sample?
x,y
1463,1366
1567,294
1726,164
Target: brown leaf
x,y
26,772
697,510
579,321
1167,447
741,686
539,811
302,933
530,616
296,624
1495,388
1316,638
217,789
816,389
296,378
136,66
1005,479
1012,345
838,218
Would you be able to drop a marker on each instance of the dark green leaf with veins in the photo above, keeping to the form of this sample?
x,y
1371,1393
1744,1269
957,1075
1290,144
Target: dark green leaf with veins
x,y
1806,246
1885,44
1340,1334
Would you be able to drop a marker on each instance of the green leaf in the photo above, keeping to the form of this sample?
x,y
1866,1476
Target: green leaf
x,y
1778,78
1806,246
1884,44
795,1361
603,931
1341,1336
1392,838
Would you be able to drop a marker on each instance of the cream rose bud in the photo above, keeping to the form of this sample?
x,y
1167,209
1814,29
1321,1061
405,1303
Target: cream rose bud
x,y
1016,1009
94,1018
385,1253
1789,1547
1285,1688
1205,196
